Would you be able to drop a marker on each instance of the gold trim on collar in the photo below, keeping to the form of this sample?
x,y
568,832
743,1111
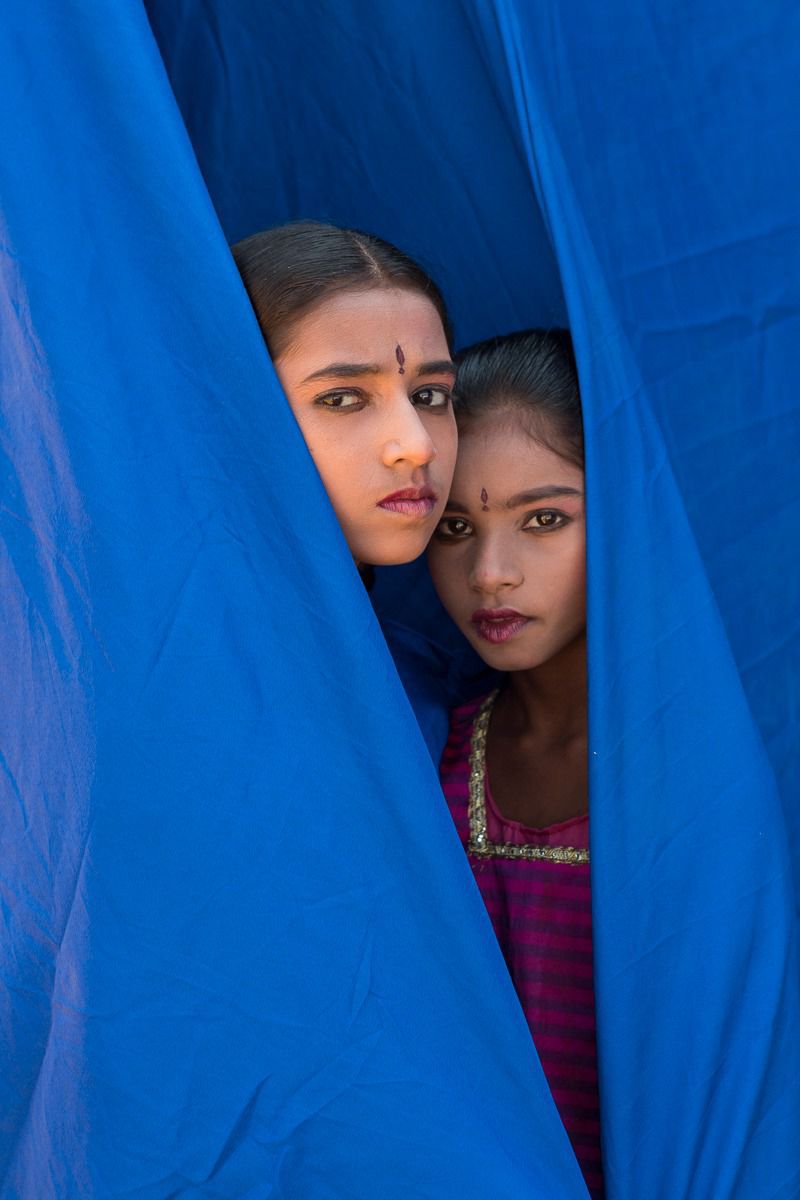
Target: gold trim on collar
x,y
479,844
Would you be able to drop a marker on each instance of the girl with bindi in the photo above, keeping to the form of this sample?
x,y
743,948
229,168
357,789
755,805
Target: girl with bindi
x,y
508,562
360,340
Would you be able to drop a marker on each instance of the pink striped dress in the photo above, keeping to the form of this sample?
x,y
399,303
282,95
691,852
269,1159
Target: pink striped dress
x,y
541,913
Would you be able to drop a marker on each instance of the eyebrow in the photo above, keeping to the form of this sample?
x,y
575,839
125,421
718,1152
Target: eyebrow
x,y
531,497
542,493
440,366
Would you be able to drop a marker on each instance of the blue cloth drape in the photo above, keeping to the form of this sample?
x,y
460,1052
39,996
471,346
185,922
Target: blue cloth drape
x,y
242,953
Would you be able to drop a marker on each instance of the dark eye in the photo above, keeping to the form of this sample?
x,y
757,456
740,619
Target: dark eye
x,y
451,528
341,400
432,397
545,520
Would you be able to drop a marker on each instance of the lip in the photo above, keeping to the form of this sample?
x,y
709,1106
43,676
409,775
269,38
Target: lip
x,y
497,625
410,501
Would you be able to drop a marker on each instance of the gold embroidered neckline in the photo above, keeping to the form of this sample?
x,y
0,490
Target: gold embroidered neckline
x,y
479,843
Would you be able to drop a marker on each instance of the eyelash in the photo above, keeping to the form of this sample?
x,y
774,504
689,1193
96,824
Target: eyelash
x,y
444,535
449,536
562,520
440,390
362,400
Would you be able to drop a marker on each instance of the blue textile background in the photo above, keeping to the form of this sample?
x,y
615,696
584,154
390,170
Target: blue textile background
x,y
242,953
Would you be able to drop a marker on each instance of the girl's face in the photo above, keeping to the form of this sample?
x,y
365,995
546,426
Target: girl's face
x,y
508,556
369,378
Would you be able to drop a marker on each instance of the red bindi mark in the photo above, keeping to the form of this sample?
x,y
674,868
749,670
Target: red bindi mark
x,y
484,500
401,358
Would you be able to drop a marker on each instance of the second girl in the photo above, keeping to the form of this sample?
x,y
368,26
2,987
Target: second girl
x,y
508,561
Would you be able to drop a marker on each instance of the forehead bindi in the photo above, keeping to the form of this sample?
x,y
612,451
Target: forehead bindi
x,y
399,329
495,465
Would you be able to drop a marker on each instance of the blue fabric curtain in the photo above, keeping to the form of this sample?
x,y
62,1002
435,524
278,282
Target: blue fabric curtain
x,y
242,952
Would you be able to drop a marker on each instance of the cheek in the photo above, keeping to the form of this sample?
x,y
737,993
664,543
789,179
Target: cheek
x,y
448,569
441,429
569,586
340,454
444,436
554,570
335,446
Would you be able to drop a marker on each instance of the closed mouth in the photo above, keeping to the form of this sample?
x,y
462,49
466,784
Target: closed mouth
x,y
497,625
410,502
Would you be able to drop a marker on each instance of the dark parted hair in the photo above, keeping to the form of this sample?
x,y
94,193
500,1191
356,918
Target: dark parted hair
x,y
532,372
291,268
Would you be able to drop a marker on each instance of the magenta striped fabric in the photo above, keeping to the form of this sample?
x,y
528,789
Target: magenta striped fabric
x,y
541,913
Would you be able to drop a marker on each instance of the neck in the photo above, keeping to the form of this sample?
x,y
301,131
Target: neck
x,y
552,698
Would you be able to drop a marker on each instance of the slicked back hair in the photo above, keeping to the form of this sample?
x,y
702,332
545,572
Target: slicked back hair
x,y
533,372
291,268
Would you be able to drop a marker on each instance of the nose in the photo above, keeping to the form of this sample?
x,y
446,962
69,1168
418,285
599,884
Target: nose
x,y
494,569
407,439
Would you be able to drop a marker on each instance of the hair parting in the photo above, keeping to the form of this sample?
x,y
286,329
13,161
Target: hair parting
x,y
533,373
290,269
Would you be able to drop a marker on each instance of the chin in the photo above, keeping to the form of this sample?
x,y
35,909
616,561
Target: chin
x,y
500,660
390,558
507,657
391,551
